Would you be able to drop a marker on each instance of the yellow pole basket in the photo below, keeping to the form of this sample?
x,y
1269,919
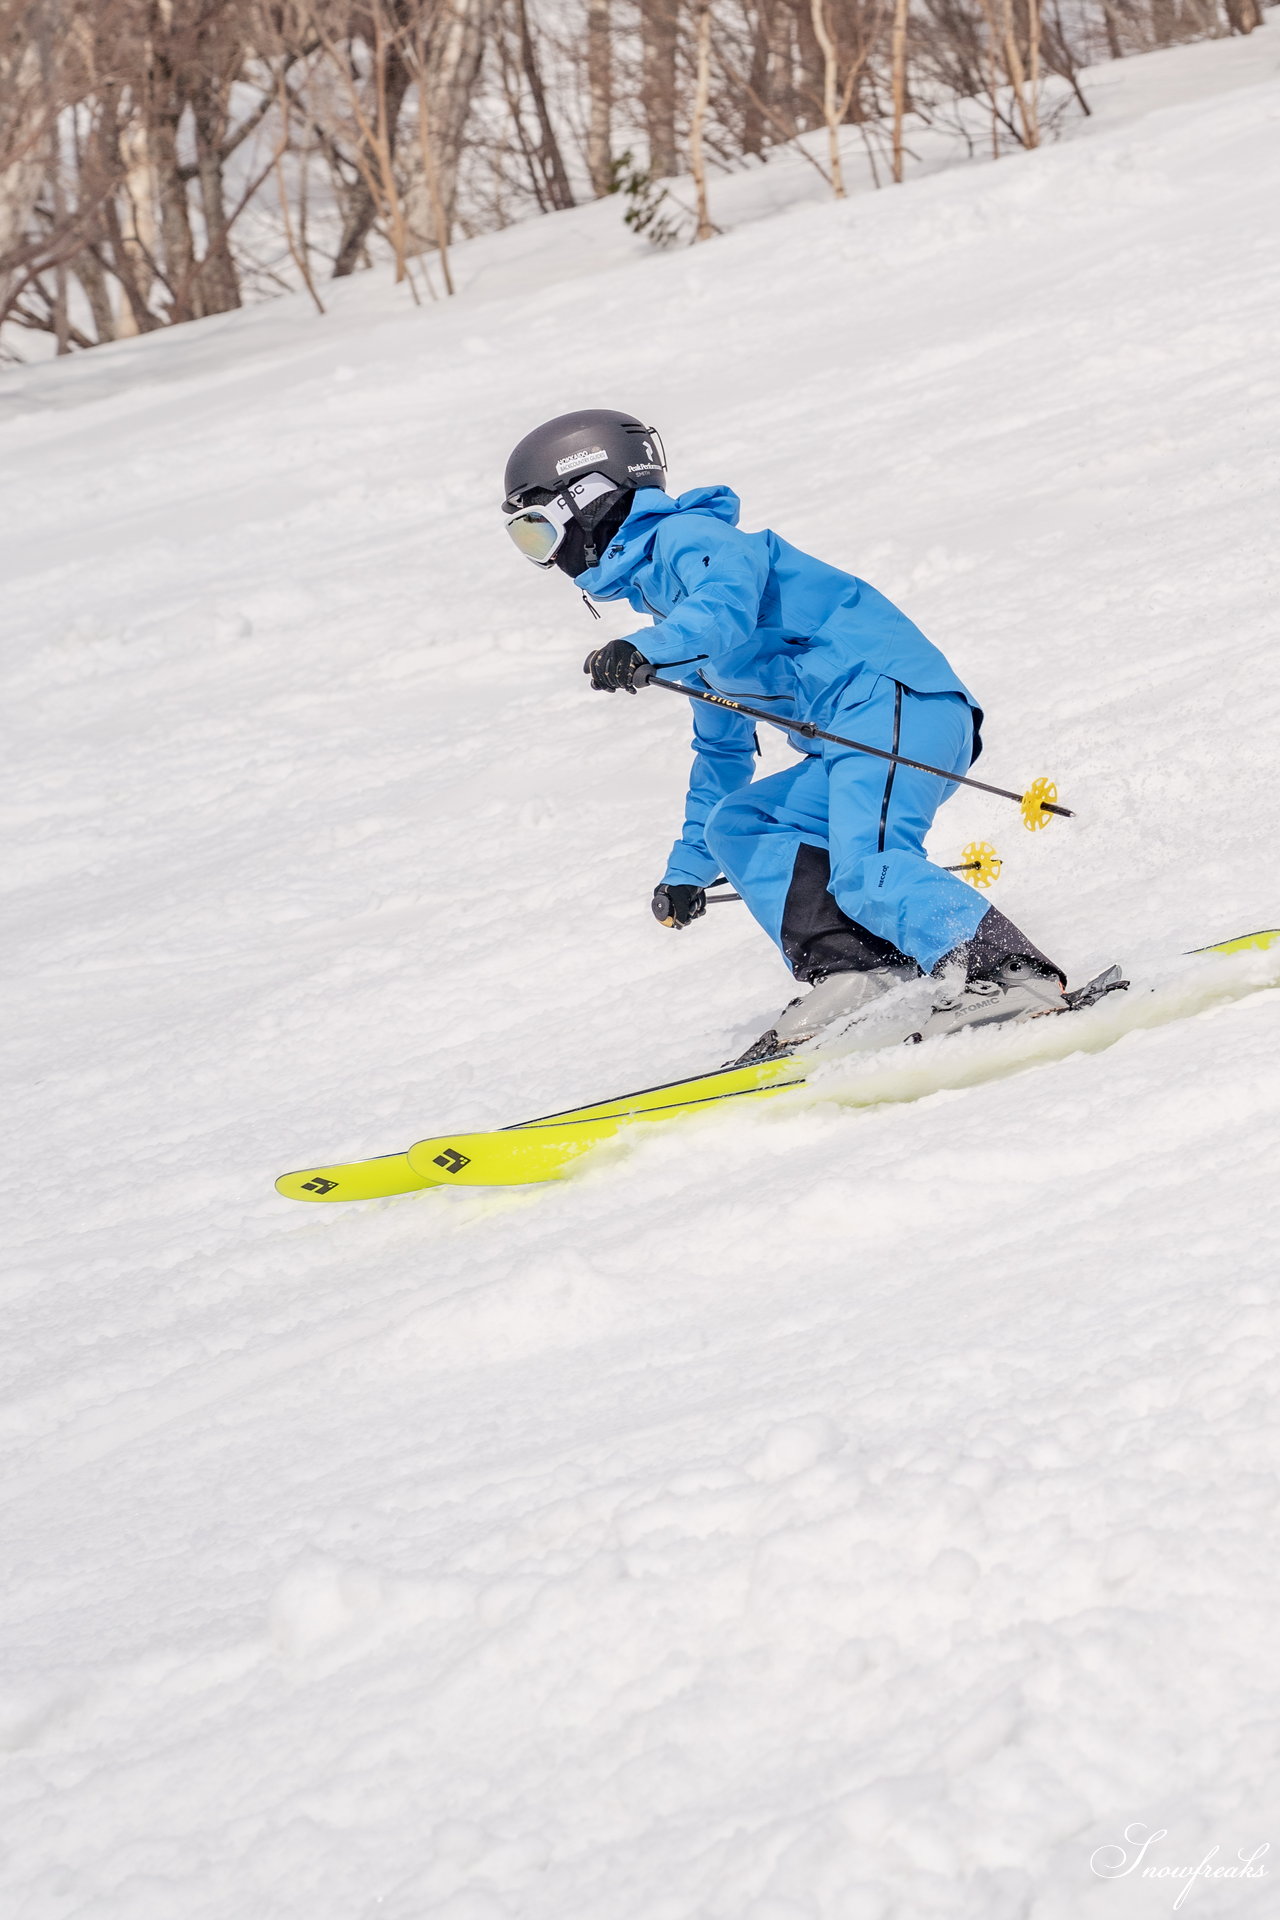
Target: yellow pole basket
x,y
981,864
1038,805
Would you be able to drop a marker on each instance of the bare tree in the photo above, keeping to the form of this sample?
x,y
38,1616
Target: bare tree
x,y
351,100
830,88
36,233
135,135
600,93
543,156
26,122
899,62
701,95
458,39
759,84
421,66
659,27
60,158
1024,92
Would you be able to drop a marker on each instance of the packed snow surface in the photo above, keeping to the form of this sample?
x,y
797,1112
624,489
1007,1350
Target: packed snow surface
x,y
828,1512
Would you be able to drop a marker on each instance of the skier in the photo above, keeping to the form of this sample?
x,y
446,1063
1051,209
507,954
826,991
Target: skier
x,y
828,854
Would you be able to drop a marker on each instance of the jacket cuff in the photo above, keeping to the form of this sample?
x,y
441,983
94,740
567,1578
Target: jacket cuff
x,y
686,869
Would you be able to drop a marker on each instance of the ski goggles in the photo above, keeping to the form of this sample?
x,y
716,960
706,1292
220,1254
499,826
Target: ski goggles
x,y
538,532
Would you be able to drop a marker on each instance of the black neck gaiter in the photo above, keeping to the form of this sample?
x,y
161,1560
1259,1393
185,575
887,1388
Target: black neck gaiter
x,y
572,556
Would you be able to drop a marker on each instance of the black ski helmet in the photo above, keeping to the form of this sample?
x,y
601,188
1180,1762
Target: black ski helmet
x,y
595,440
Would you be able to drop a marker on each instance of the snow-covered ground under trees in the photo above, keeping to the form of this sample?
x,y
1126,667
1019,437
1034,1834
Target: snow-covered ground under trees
x,y
811,1514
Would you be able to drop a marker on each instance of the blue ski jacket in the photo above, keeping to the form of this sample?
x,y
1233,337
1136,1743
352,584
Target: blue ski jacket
x,y
749,615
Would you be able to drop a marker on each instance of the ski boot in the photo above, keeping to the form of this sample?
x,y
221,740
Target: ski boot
x,y
994,977
835,998
1018,988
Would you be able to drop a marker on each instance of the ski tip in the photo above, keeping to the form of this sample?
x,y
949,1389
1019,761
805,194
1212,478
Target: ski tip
x,y
356,1180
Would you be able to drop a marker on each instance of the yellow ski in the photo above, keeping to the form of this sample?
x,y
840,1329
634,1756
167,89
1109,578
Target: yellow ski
x,y
1242,943
546,1149
410,1172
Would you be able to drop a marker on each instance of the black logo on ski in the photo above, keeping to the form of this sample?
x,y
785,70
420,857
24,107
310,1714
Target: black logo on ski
x,y
451,1160
318,1185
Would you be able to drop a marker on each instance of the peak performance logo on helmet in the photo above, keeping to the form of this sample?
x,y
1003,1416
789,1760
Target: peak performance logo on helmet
x,y
572,461
592,440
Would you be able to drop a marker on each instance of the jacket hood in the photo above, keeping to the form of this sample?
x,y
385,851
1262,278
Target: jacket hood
x,y
633,541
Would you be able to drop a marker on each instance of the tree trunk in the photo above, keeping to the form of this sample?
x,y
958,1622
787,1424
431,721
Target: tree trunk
x,y
1243,15
22,161
1164,23
761,78
830,88
180,274
899,58
458,51
46,27
135,246
510,70
554,185
89,271
439,224
1018,80
219,280
133,273
600,89
701,96
659,27
162,117
19,191
810,64
359,207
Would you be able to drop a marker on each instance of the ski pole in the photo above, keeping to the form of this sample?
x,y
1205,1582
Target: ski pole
x,y
723,899
1039,799
984,863
966,866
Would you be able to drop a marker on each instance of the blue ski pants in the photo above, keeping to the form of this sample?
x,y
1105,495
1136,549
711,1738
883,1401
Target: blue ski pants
x,y
839,839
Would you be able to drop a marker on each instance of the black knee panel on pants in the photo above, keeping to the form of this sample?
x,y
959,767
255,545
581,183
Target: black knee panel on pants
x,y
817,937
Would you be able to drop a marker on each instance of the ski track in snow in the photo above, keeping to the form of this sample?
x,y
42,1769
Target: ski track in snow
x,y
810,1513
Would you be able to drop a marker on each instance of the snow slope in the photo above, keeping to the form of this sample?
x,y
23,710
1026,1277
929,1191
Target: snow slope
x,y
821,1513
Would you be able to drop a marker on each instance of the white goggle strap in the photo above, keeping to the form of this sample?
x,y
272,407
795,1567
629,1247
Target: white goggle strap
x,y
563,507
592,486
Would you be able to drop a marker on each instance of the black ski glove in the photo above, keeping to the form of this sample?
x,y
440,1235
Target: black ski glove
x,y
613,666
676,906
